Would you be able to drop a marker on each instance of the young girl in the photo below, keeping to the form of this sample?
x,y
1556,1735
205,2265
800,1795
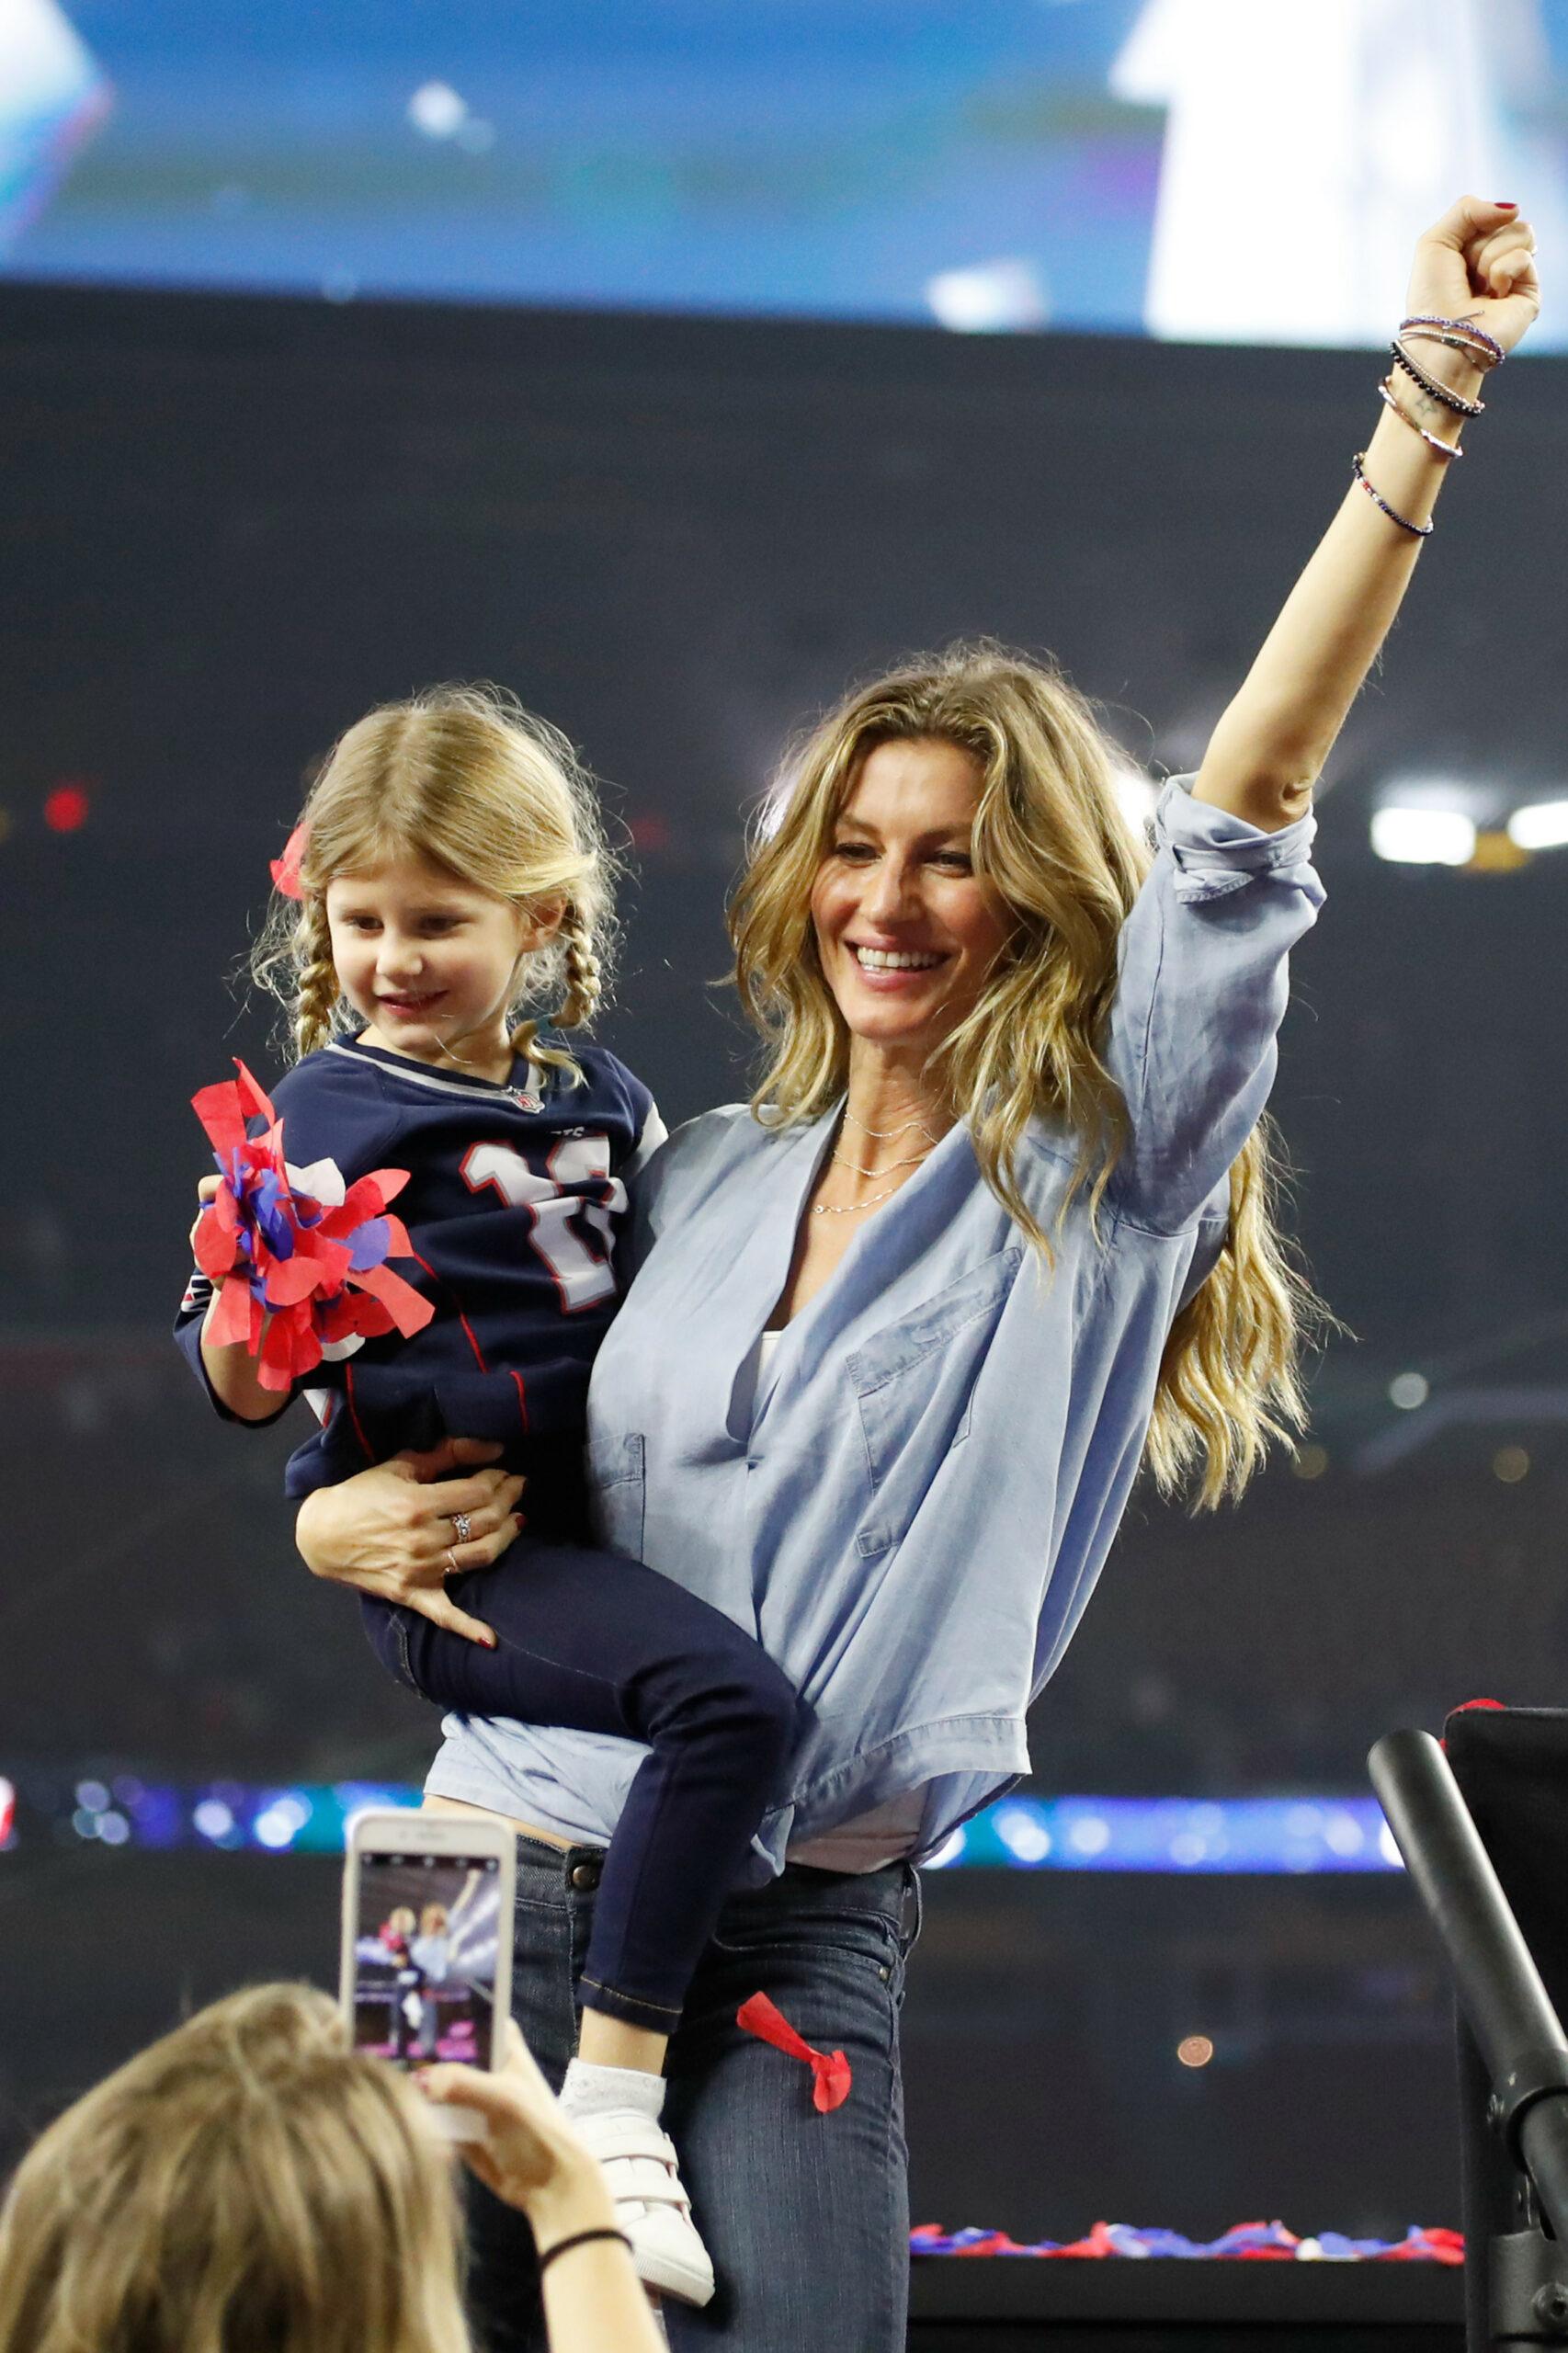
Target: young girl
x,y
449,868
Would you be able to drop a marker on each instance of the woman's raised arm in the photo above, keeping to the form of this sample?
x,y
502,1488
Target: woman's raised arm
x,y
1268,749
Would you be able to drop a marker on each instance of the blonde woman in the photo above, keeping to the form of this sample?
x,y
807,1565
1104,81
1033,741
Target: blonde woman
x,y
995,1230
251,2184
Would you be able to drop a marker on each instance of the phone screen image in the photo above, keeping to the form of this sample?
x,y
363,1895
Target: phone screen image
x,y
425,1929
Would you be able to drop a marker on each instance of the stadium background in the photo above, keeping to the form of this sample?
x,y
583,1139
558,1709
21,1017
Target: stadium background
x,y
705,448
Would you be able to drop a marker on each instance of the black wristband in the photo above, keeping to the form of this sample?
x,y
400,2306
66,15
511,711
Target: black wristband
x,y
581,2238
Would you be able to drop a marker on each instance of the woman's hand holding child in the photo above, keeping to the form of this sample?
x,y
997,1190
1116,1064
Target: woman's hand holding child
x,y
390,1533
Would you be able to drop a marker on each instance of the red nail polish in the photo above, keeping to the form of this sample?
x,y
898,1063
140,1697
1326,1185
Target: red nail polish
x,y
1504,205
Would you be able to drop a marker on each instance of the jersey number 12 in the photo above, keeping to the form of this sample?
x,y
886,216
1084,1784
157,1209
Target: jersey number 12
x,y
583,1276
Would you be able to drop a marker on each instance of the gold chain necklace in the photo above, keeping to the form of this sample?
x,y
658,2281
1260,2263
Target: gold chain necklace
x,y
885,1135
913,1161
849,1208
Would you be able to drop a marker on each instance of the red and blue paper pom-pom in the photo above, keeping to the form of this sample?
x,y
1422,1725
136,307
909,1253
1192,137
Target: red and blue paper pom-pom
x,y
307,1255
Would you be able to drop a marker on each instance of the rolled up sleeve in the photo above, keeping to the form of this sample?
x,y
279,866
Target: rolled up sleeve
x,y
1202,986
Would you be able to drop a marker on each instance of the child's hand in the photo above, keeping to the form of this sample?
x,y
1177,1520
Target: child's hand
x,y
206,1191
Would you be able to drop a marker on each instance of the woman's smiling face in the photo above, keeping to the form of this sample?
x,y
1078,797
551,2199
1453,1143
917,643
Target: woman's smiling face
x,y
906,931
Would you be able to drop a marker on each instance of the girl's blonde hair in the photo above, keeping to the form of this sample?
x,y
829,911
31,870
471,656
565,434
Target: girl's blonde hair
x,y
248,2184
465,777
1051,837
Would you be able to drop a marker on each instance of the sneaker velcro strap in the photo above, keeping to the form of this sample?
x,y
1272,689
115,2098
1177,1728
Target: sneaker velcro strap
x,y
629,2136
642,2196
631,2179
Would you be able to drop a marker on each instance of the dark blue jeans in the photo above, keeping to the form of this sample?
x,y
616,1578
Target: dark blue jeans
x,y
600,1643
806,2216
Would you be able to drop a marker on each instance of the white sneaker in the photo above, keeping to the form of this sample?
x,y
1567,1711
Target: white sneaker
x,y
651,2204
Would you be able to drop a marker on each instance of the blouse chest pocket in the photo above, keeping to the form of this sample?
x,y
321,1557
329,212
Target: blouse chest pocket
x,y
618,1489
914,1392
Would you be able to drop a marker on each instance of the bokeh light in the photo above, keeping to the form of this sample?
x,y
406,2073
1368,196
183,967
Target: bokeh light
x,y
66,809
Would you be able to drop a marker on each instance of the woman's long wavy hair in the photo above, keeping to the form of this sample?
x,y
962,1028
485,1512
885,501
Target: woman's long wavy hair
x,y
465,777
247,2185
1051,837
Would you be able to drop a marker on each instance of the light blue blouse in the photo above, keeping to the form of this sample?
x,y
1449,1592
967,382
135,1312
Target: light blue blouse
x,y
911,1506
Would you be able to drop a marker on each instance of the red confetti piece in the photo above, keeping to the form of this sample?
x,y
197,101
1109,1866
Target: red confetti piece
x,y
285,870
830,2070
1243,2243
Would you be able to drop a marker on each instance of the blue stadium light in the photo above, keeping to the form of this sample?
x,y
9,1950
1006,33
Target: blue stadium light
x,y
1023,1831
1230,1836
1182,1837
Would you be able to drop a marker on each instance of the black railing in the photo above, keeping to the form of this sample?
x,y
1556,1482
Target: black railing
x,y
1519,2275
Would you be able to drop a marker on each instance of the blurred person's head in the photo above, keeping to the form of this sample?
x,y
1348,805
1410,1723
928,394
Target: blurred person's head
x,y
432,1920
247,2185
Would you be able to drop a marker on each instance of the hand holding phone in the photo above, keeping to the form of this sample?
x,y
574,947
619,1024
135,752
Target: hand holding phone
x,y
531,2156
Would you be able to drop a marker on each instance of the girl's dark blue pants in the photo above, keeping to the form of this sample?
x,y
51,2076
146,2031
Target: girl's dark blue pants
x,y
596,1642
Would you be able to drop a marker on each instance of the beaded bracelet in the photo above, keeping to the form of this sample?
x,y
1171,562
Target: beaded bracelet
x,y
1473,351
581,2238
1430,385
1417,530
1478,335
1391,399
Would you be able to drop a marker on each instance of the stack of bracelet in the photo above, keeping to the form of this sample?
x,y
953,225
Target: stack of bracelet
x,y
1457,334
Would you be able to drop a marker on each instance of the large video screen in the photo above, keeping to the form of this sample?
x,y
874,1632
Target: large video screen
x,y
1208,170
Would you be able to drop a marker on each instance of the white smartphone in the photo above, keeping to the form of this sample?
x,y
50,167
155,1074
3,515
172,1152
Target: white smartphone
x,y
426,1966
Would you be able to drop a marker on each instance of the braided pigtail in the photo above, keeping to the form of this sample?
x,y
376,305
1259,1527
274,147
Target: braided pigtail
x,y
292,962
575,952
585,982
316,990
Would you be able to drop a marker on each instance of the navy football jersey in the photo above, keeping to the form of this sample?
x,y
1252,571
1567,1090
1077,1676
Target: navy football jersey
x,y
515,1192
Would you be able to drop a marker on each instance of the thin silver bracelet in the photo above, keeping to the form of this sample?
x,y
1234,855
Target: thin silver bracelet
x,y
1486,347
1391,399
